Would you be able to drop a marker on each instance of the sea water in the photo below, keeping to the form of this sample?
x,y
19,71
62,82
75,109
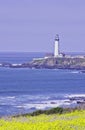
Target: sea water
x,y
24,90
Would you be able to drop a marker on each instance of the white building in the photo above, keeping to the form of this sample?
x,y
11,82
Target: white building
x,y
56,46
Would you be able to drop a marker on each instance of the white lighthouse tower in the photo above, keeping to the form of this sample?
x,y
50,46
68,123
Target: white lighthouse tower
x,y
56,46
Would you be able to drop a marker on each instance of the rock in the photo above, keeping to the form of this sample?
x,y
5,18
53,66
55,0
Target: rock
x,y
52,63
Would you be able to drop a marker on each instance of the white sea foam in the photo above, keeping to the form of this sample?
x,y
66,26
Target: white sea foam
x,y
7,98
39,106
16,64
32,102
75,72
47,104
10,97
76,95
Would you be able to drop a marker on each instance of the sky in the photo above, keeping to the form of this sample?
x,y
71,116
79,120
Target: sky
x,y
31,25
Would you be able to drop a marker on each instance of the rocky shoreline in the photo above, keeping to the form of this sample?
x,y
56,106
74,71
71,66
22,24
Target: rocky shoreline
x,y
50,63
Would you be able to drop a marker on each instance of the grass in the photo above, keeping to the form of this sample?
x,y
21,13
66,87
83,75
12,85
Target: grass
x,y
73,120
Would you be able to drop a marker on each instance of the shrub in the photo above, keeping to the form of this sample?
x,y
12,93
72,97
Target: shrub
x,y
56,110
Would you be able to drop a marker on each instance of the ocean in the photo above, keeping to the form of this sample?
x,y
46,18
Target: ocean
x,y
24,90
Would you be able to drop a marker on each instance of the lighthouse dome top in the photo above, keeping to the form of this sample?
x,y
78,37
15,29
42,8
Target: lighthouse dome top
x,y
57,37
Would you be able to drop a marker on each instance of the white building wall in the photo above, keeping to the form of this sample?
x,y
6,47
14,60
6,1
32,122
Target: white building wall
x,y
56,48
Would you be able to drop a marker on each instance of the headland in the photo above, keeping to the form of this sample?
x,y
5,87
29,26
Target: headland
x,y
57,60
66,62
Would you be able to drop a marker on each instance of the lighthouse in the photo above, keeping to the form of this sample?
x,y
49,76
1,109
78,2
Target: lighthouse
x,y
56,46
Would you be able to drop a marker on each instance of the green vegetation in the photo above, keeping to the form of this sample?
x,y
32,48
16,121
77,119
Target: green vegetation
x,y
58,110
73,120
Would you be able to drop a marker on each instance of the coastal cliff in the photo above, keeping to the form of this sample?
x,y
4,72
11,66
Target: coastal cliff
x,y
51,63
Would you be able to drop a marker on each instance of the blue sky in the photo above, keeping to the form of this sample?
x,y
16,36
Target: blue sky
x,y
31,25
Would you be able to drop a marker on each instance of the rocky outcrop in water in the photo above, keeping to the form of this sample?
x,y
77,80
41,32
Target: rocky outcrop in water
x,y
51,63
57,63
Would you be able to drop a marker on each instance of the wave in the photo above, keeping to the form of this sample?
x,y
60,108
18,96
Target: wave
x,y
27,103
75,72
46,104
76,95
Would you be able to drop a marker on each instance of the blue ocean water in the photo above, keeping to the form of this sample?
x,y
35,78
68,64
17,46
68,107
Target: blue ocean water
x,y
25,90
